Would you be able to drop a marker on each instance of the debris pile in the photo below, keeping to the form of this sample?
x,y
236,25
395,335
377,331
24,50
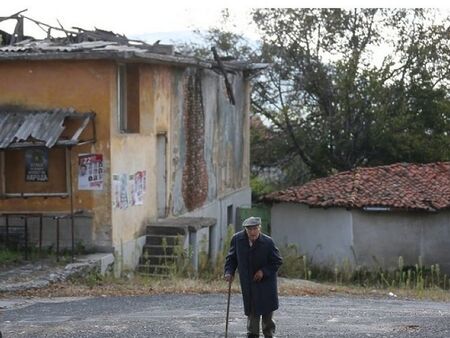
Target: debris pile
x,y
76,35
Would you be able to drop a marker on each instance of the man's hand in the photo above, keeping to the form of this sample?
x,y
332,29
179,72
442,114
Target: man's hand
x,y
228,277
258,276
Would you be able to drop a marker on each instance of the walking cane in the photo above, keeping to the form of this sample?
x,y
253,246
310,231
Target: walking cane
x,y
228,307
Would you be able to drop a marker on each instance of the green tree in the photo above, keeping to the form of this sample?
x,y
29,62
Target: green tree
x,y
336,107
345,88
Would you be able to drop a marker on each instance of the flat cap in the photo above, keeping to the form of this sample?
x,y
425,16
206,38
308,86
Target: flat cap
x,y
252,221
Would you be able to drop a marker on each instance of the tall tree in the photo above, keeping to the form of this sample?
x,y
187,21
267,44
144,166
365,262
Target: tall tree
x,y
338,103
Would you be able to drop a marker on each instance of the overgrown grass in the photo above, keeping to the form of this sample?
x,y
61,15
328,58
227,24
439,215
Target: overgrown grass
x,y
8,257
414,277
296,265
208,269
303,278
213,269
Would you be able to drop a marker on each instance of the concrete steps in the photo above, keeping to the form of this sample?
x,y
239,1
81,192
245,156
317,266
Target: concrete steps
x,y
166,240
162,249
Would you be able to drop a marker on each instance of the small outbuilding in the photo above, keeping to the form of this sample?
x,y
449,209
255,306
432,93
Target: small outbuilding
x,y
369,216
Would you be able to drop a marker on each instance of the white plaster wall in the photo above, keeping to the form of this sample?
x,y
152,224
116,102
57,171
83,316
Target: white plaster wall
x,y
436,241
324,235
218,210
372,239
127,254
381,237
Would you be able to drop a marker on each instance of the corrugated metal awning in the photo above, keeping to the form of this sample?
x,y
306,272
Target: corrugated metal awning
x,y
21,129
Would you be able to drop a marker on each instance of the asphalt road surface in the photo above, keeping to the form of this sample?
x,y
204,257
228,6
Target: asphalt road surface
x,y
204,316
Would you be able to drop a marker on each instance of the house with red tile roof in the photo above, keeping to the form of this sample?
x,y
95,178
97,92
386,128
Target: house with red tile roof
x,y
369,216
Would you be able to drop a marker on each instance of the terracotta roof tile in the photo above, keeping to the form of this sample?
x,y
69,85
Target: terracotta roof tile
x,y
401,185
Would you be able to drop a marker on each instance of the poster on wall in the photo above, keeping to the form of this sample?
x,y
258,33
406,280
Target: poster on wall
x,y
116,191
120,191
123,191
36,165
137,187
90,172
128,190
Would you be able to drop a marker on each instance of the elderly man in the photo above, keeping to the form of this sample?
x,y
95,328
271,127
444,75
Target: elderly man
x,y
257,258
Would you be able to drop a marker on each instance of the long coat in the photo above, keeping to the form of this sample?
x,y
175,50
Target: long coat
x,y
263,255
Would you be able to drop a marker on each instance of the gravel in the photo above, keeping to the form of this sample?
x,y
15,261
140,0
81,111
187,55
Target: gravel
x,y
176,315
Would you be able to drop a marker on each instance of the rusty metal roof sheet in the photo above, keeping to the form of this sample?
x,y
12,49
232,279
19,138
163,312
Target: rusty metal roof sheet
x,y
29,128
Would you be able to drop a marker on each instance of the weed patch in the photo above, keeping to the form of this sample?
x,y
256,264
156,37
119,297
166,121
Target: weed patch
x,y
413,277
9,257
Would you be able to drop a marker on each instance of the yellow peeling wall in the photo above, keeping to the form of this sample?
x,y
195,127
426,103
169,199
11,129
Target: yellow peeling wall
x,y
84,86
137,152
92,86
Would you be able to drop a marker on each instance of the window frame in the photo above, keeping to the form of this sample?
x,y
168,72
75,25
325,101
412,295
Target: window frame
x,y
128,119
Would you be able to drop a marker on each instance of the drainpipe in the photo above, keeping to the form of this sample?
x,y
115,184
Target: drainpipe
x,y
71,201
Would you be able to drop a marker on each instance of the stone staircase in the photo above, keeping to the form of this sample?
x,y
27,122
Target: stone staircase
x,y
163,247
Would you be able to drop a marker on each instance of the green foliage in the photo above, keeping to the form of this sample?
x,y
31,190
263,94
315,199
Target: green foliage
x,y
260,188
417,277
213,269
182,266
17,255
341,92
294,265
92,279
335,105
8,257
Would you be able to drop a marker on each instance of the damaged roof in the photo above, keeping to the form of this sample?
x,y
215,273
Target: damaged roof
x,y
79,43
407,186
19,129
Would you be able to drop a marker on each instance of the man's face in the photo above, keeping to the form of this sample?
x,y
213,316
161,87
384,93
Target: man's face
x,y
253,232
83,170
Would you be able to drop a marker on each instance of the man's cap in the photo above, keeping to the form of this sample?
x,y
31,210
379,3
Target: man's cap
x,y
252,221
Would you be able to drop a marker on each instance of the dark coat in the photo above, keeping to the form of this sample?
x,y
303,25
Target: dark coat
x,y
263,255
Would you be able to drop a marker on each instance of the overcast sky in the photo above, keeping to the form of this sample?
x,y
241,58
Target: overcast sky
x,y
129,17
136,18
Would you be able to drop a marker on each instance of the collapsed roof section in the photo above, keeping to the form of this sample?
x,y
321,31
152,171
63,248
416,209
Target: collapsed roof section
x,y
79,43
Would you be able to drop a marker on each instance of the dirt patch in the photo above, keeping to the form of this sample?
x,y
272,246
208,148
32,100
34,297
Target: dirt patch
x,y
96,286
145,286
139,286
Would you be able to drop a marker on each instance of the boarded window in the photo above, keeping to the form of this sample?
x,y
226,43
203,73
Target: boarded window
x,y
128,98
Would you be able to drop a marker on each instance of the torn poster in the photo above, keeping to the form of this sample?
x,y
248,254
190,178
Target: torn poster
x,y
90,172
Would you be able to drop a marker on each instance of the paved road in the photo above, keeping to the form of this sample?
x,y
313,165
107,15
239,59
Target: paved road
x,y
204,316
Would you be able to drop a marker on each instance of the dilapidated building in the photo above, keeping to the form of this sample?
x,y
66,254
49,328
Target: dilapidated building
x,y
103,136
